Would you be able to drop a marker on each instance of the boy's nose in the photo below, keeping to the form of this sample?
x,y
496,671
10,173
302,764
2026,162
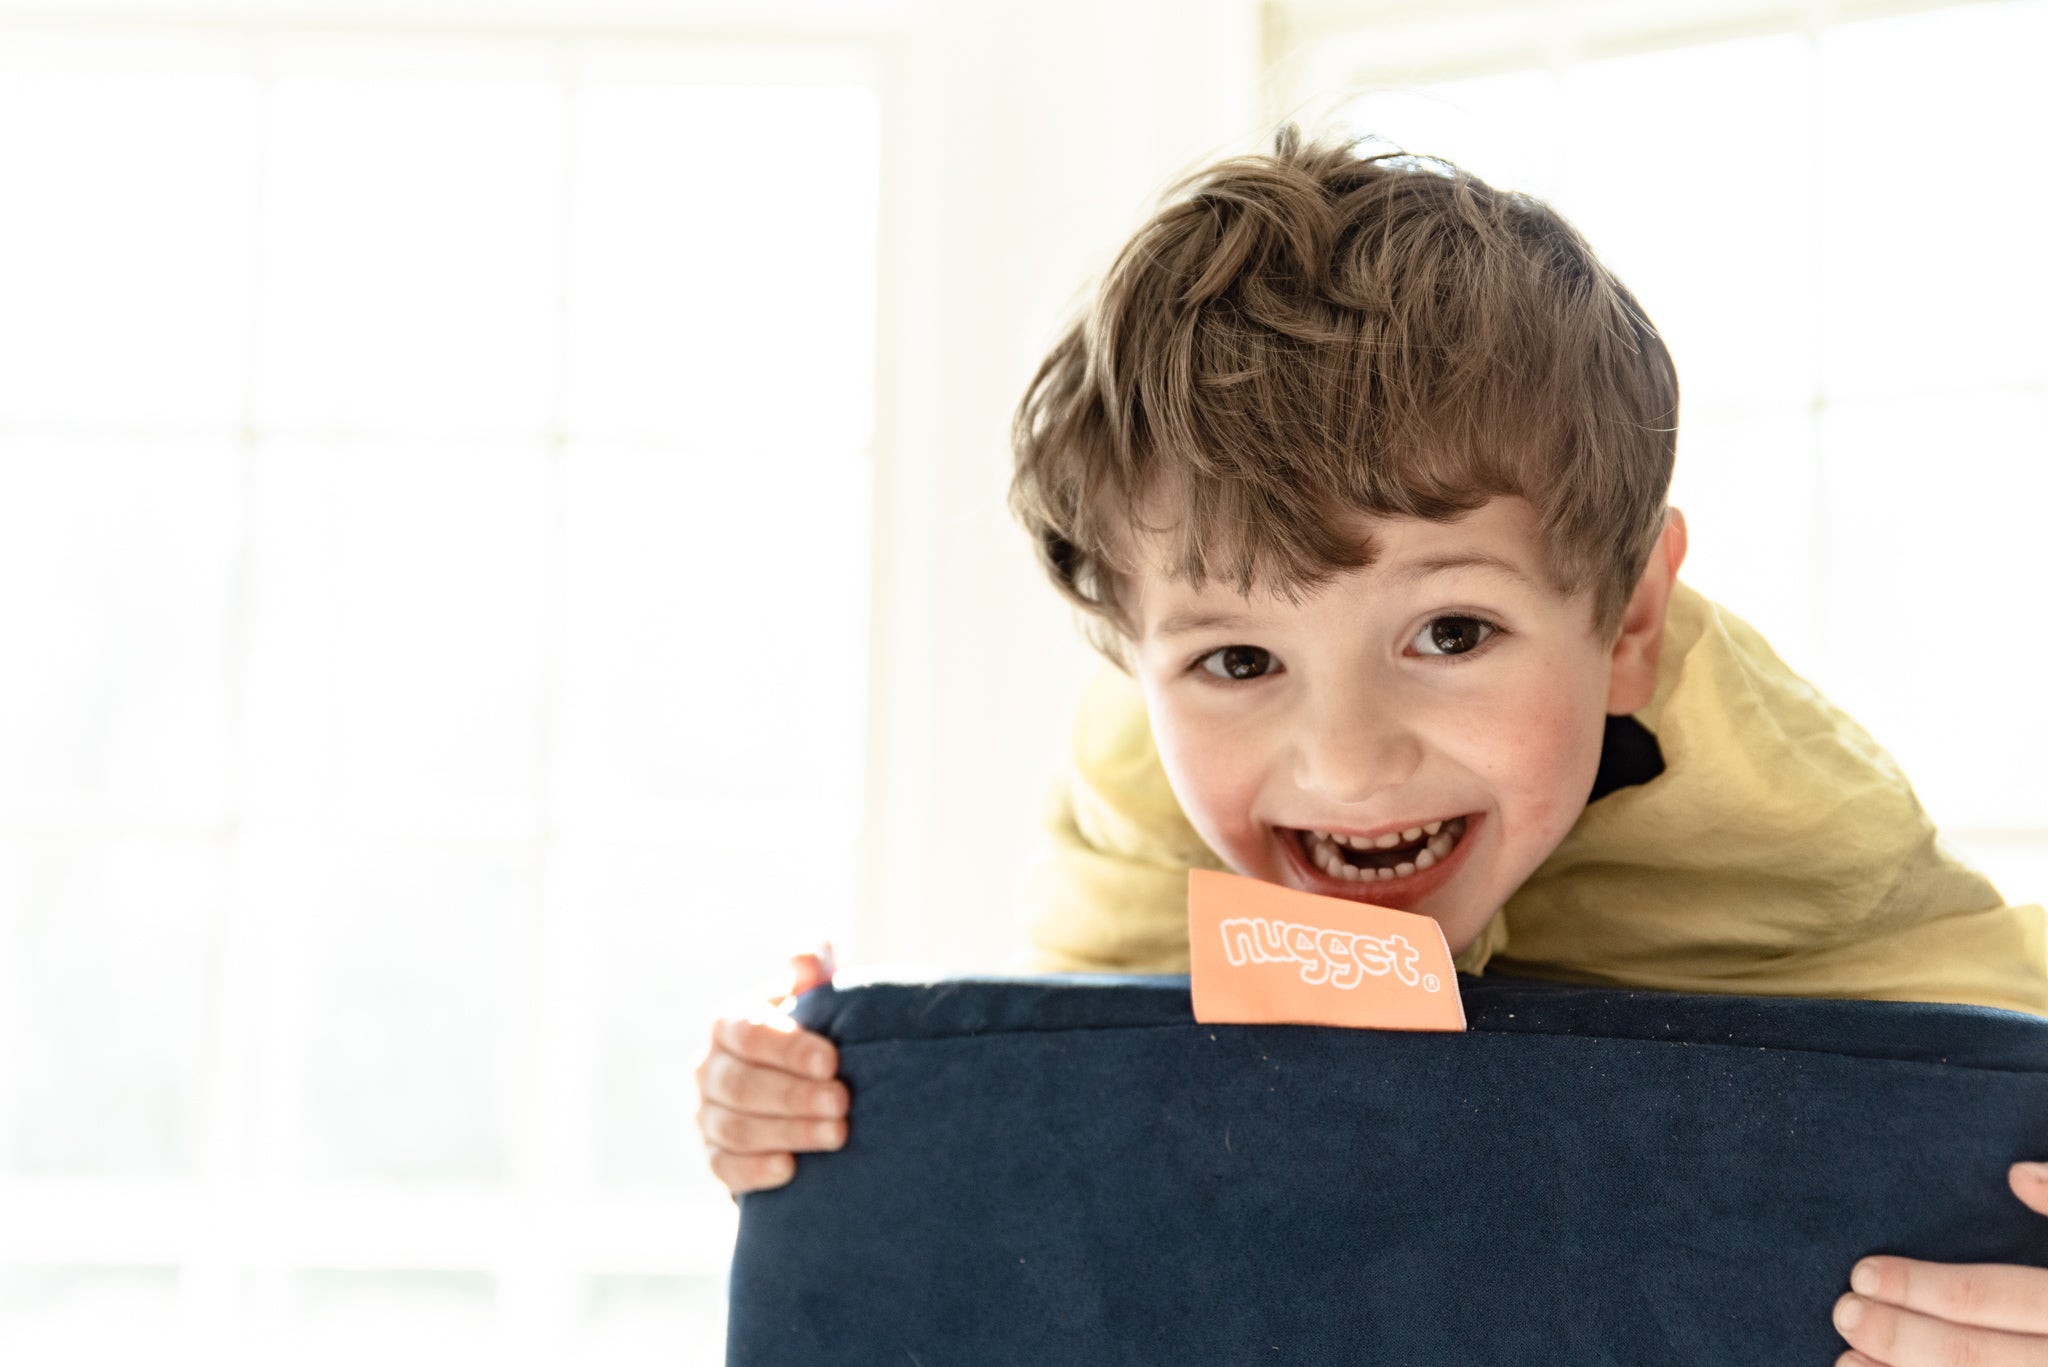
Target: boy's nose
x,y
1348,755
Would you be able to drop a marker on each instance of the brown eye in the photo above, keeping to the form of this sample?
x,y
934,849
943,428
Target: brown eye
x,y
1452,635
1239,662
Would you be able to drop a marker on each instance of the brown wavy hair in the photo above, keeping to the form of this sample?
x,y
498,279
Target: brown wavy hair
x,y
1296,337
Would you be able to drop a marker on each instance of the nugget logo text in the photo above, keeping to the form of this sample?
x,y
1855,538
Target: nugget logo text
x,y
1340,958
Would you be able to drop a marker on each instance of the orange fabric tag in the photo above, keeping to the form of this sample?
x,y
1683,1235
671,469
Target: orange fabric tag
x,y
1260,953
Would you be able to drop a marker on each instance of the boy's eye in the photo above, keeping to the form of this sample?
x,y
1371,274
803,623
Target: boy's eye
x,y
1239,662
1452,635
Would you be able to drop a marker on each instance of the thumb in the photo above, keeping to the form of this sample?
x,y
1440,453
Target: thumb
x,y
2029,1182
812,970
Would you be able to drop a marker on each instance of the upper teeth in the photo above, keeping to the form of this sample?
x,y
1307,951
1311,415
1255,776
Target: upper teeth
x,y
1323,849
1384,842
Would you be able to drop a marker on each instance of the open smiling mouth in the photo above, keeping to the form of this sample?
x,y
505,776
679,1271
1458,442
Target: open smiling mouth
x,y
1396,854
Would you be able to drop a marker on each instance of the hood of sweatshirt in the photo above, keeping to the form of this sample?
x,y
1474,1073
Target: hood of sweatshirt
x,y
1780,851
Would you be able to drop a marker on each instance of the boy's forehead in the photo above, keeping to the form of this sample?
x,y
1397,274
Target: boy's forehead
x,y
1502,537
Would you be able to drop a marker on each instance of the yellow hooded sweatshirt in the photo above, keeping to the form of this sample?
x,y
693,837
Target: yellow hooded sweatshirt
x,y
1781,852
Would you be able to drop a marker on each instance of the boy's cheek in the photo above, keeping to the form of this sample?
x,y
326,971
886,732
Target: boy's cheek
x,y
1217,804
1215,794
1541,784
1552,748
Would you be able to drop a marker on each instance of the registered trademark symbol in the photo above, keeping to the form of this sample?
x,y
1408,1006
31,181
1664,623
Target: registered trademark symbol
x,y
1430,982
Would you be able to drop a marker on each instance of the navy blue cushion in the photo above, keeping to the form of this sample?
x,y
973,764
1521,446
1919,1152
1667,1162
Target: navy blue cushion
x,y
1071,1170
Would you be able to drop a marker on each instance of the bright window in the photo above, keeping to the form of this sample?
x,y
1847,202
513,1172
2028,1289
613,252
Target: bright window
x,y
434,478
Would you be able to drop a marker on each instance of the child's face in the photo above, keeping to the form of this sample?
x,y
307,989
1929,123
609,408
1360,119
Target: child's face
x,y
1425,689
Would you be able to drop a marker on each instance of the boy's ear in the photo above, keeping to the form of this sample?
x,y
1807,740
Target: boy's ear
x,y
1632,669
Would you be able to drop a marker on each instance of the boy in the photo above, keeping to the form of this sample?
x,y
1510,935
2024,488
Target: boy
x,y
1358,469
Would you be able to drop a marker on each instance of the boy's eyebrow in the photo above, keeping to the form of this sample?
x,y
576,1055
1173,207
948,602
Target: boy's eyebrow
x,y
1407,572
1181,623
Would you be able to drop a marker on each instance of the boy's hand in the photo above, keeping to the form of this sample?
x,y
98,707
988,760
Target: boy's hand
x,y
766,1090
1906,1313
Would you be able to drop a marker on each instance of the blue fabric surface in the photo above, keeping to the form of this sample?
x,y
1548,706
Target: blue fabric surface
x,y
1070,1170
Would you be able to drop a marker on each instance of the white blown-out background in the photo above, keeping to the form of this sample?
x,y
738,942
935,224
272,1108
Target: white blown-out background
x,y
501,540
